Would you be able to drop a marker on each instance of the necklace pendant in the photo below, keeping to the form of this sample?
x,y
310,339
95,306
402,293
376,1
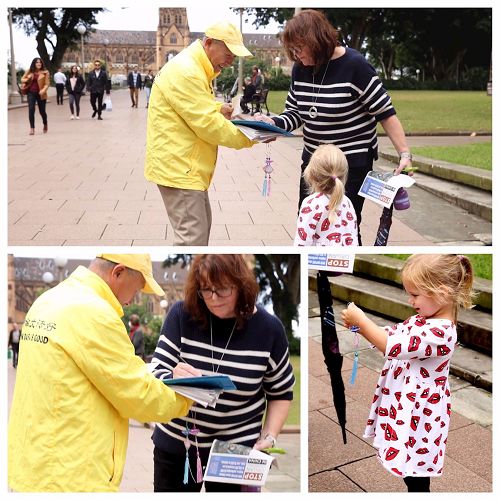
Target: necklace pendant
x,y
313,112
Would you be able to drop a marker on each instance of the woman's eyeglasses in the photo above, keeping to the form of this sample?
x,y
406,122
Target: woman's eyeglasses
x,y
208,293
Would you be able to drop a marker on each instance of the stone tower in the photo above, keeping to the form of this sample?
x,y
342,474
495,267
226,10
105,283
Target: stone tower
x,y
172,34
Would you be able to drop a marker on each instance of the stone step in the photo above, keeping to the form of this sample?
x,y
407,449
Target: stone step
x,y
387,269
467,364
474,327
472,199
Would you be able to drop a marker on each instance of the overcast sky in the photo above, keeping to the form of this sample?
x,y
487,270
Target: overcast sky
x,y
144,17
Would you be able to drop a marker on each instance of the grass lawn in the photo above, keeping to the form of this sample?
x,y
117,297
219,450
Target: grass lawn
x,y
429,111
475,155
294,415
481,264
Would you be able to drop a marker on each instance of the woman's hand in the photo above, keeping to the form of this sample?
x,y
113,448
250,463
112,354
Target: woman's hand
x,y
404,163
265,442
263,118
183,370
353,315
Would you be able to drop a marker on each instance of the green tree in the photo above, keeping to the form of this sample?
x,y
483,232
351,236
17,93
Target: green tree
x,y
151,324
444,44
54,30
278,276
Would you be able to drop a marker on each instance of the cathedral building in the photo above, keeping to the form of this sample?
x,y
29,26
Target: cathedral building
x,y
122,51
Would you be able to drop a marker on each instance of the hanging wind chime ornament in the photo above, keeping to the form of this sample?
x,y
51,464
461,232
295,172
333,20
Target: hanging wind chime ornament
x,y
268,169
194,431
355,330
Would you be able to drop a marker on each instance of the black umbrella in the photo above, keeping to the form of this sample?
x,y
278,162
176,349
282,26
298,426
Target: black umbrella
x,y
330,346
384,227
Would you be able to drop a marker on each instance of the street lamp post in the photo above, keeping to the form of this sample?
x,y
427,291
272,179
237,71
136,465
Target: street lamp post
x,y
240,60
106,43
14,96
60,263
278,61
47,278
418,74
82,29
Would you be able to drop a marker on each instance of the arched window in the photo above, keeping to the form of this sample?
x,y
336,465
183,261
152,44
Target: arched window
x,y
168,19
120,58
173,39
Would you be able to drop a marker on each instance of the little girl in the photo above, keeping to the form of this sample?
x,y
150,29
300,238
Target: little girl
x,y
326,217
410,413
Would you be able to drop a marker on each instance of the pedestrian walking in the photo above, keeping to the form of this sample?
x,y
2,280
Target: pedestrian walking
x,y
148,83
219,329
336,94
75,86
134,82
326,216
36,83
185,126
14,337
97,84
410,414
60,81
136,335
79,381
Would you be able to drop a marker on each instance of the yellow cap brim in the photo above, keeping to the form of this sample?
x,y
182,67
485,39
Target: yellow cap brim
x,y
238,50
152,286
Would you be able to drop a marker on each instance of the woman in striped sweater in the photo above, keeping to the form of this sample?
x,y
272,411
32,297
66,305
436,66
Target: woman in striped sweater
x,y
218,329
338,98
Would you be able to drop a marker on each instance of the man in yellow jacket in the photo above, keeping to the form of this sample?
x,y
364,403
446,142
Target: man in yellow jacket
x,y
79,381
185,126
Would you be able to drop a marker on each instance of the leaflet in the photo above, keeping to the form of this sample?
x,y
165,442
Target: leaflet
x,y
382,187
340,263
237,464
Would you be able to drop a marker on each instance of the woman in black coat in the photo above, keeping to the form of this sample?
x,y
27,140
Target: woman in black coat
x,y
74,86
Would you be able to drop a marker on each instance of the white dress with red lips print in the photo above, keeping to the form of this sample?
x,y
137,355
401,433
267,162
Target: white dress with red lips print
x,y
410,413
314,228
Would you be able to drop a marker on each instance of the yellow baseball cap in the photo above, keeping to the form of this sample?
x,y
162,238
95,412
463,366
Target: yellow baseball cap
x,y
139,262
230,35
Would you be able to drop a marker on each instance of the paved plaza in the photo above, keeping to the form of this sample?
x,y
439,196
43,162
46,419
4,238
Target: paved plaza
x,y
82,183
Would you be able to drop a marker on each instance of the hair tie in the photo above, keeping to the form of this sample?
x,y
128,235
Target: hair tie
x,y
334,177
461,258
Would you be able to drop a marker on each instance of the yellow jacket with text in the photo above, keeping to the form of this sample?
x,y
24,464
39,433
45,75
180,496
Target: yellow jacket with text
x,y
185,125
78,382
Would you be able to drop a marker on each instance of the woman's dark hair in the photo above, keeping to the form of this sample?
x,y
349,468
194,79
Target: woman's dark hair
x,y
33,64
218,271
310,28
77,73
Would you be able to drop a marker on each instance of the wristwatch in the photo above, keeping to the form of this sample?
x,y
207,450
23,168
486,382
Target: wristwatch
x,y
405,154
269,437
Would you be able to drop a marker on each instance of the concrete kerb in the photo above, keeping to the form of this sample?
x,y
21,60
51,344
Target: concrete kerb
x,y
462,174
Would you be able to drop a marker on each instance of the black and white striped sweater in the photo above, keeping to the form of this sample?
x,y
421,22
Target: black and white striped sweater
x,y
256,359
350,100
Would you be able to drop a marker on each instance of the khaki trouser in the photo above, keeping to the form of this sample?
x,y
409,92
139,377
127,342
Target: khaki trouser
x,y
134,95
189,213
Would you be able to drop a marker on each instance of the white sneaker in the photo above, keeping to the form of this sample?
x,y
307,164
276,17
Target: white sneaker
x,y
77,117
72,117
